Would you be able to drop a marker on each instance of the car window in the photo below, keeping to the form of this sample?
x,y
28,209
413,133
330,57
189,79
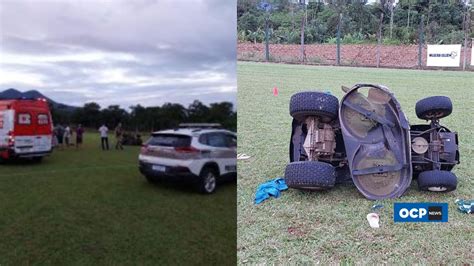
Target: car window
x,y
231,140
217,140
169,140
24,119
43,119
203,139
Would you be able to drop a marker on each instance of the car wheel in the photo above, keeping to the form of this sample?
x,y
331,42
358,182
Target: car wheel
x,y
435,107
310,175
151,179
313,103
437,181
37,159
208,181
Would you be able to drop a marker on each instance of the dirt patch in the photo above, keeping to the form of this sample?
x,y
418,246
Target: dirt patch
x,y
296,231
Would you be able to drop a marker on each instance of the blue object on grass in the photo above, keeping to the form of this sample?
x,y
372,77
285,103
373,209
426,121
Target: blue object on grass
x,y
270,188
377,207
465,206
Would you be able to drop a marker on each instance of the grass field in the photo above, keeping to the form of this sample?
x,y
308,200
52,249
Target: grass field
x,y
90,207
331,226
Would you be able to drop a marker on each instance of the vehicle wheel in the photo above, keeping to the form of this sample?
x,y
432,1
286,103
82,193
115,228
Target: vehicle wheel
x,y
151,179
208,181
435,107
310,175
313,103
437,181
37,159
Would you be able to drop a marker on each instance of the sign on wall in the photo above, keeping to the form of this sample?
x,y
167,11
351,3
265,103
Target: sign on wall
x,y
447,55
472,52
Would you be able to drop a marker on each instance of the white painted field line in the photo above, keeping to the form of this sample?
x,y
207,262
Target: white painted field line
x,y
53,171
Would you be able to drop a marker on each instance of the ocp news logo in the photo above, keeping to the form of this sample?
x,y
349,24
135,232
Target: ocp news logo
x,y
420,212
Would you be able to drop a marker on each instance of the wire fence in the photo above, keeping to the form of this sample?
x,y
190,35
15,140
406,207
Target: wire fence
x,y
362,55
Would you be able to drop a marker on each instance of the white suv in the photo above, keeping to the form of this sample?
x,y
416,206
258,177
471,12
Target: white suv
x,y
202,153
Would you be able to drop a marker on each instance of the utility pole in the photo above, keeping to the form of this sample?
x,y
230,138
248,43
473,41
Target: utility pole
x,y
338,41
303,19
466,20
420,41
409,10
267,52
266,7
379,43
391,19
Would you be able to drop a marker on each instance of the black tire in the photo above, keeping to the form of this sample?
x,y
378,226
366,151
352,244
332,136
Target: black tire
x,y
313,103
151,179
435,107
437,181
37,159
203,185
310,175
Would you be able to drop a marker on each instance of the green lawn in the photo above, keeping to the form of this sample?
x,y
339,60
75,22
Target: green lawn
x,y
328,227
89,207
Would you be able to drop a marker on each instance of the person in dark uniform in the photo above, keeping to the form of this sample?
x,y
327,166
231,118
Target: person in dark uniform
x,y
118,136
60,135
79,133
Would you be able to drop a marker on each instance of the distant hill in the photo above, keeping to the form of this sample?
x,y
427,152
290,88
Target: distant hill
x,y
10,94
33,94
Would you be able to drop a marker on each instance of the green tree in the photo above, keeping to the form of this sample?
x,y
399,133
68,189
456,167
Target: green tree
x,y
198,112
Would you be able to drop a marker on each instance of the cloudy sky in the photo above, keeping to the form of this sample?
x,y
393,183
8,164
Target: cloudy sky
x,y
120,52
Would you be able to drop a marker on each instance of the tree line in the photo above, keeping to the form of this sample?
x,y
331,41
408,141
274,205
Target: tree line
x,y
147,119
444,21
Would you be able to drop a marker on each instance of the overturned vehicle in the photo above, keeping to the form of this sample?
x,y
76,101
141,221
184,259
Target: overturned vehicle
x,y
366,139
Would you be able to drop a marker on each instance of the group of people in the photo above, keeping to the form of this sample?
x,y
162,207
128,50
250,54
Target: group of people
x,y
64,135
104,137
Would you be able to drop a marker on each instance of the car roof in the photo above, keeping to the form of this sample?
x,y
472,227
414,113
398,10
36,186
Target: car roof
x,y
191,131
25,104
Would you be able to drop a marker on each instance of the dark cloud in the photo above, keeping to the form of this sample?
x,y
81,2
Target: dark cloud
x,y
120,52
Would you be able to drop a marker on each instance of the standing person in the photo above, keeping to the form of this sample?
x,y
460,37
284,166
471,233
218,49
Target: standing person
x,y
118,136
60,135
104,137
55,136
67,135
79,133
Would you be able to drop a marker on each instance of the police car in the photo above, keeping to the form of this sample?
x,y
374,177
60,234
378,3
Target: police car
x,y
202,153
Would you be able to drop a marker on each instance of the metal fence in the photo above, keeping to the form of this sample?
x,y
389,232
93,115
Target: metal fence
x,y
363,55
